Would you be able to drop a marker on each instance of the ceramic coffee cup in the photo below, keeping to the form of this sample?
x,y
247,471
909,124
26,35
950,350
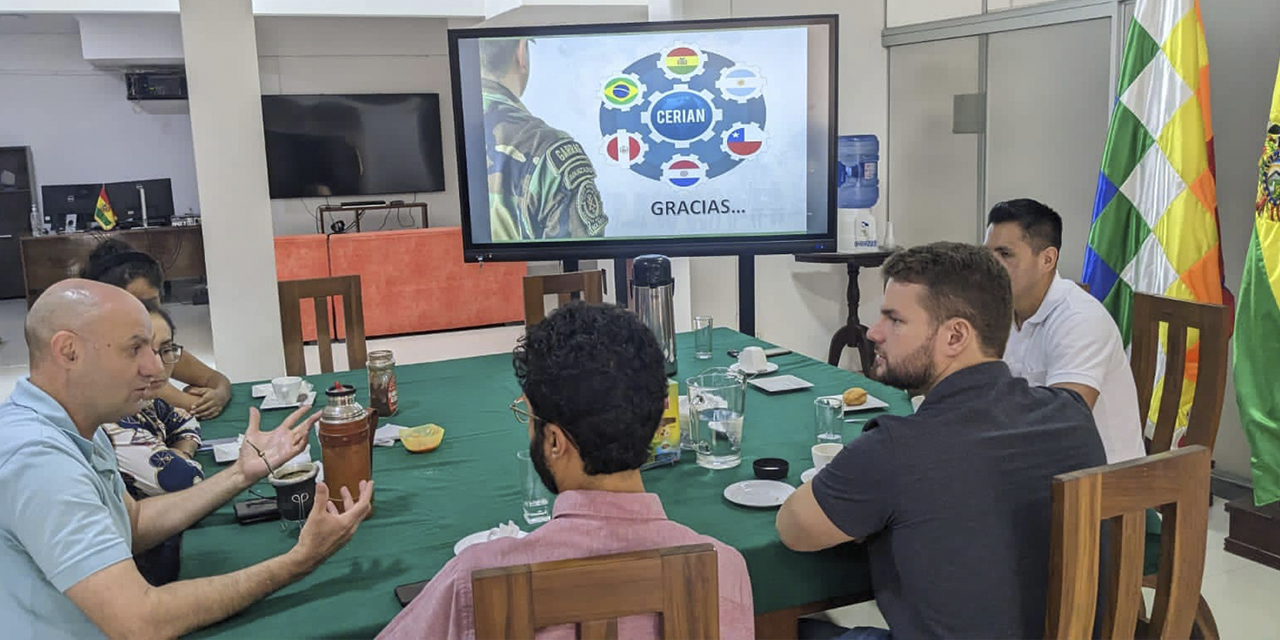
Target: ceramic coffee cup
x,y
825,453
286,388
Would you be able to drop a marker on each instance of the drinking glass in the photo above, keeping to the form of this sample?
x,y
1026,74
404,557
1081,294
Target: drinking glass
x,y
535,499
702,326
717,400
828,419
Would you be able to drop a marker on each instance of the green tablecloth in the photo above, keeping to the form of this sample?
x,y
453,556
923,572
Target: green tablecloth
x,y
427,502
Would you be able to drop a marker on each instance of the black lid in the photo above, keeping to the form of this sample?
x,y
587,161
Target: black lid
x,y
651,270
338,389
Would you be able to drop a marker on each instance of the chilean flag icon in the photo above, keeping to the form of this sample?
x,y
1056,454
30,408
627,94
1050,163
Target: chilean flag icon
x,y
743,141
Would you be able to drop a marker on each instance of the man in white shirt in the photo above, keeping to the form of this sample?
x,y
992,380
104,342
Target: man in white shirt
x,y
1062,336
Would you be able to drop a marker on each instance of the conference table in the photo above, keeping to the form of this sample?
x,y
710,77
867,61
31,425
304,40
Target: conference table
x,y
426,502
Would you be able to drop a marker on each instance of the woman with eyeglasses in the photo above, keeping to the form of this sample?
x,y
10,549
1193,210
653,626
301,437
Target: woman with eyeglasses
x,y
155,446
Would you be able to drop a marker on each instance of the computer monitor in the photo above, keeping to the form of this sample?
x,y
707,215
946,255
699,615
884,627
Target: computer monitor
x,y
62,199
127,197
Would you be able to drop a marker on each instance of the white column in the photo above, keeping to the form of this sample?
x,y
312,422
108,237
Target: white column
x,y
221,55
661,10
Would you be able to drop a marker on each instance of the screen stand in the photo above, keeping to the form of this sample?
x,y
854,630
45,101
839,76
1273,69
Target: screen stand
x,y
570,266
747,294
621,288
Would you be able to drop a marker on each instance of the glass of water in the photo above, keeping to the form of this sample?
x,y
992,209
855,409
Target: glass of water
x,y
535,497
717,399
828,419
702,326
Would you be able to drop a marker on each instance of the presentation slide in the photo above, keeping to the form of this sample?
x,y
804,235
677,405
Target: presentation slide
x,y
644,135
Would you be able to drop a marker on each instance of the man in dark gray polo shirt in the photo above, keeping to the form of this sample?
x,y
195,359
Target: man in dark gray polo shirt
x,y
953,502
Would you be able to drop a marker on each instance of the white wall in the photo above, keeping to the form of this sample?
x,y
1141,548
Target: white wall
x,y
361,55
905,12
76,119
82,129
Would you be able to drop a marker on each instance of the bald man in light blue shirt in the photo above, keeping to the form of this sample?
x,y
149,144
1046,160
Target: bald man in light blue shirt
x,y
68,529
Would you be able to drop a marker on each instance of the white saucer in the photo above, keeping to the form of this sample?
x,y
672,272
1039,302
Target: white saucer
x,y
271,402
769,367
480,537
808,475
871,403
758,493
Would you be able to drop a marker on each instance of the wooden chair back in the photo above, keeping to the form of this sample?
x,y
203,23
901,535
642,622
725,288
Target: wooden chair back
x,y
680,584
1208,359
1175,481
321,290
587,284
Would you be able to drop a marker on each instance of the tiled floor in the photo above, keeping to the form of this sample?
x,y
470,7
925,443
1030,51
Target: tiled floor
x,y
1242,594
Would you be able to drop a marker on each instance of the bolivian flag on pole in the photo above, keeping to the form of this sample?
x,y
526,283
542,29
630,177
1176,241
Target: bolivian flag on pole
x,y
103,214
1258,323
1155,215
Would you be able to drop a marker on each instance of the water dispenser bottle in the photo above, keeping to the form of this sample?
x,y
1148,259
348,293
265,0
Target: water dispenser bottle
x,y
858,175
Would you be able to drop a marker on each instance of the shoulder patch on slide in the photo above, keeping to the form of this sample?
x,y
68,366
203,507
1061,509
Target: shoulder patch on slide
x,y
565,155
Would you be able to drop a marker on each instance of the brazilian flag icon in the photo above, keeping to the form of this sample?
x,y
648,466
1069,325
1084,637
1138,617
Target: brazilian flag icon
x,y
621,91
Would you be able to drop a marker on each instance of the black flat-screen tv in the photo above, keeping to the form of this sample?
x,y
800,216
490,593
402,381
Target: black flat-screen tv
x,y
711,137
352,145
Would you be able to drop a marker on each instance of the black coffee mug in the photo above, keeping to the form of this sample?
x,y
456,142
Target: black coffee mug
x,y
295,486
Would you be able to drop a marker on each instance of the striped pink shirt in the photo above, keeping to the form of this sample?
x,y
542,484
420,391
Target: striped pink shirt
x,y
583,524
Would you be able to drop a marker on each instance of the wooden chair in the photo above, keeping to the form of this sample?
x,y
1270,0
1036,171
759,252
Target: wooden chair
x,y
1175,481
588,284
292,292
678,583
1212,322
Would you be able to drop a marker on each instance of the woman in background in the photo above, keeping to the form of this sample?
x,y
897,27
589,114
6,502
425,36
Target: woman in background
x,y
207,392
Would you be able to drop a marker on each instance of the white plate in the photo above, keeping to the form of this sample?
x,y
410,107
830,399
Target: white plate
x,y
808,475
479,537
758,493
769,368
779,384
871,403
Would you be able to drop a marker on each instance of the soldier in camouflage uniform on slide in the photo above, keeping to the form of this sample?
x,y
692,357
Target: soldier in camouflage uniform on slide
x,y
541,182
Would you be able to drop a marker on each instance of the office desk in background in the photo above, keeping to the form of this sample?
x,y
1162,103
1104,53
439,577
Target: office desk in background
x,y
48,259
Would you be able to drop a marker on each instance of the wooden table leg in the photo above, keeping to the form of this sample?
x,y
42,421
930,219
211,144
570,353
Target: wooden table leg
x,y
853,334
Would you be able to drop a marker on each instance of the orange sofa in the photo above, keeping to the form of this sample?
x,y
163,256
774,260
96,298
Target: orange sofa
x,y
412,280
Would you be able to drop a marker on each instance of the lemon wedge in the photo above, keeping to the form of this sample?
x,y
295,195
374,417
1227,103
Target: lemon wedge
x,y
420,439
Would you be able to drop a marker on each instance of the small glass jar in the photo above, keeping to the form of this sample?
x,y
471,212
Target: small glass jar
x,y
382,382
